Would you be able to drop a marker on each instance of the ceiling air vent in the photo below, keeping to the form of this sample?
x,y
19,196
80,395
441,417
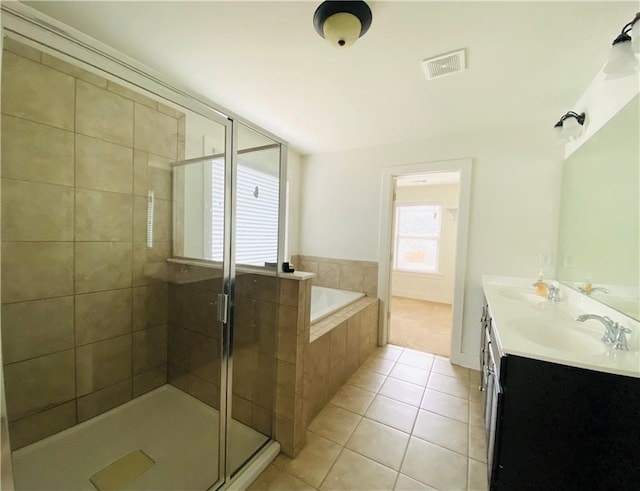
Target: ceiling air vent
x,y
445,64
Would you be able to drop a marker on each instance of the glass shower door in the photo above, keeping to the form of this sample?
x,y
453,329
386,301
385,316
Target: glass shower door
x,y
256,247
200,289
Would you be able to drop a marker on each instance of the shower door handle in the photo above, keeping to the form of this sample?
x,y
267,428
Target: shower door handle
x,y
223,307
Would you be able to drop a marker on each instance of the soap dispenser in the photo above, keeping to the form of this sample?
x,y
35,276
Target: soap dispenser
x,y
541,287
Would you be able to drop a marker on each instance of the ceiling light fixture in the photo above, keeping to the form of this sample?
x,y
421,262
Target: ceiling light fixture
x,y
341,23
570,127
622,60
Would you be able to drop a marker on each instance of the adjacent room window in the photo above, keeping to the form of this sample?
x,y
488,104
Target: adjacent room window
x,y
256,215
417,237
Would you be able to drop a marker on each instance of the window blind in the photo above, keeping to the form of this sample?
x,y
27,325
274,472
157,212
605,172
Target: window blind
x,y
256,215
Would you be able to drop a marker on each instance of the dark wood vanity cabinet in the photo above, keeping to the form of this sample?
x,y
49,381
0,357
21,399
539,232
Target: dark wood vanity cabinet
x,y
557,427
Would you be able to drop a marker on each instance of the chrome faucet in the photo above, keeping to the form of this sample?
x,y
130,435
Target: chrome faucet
x,y
589,291
615,334
553,293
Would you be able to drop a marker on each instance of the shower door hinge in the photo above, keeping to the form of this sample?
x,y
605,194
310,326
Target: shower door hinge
x,y
223,307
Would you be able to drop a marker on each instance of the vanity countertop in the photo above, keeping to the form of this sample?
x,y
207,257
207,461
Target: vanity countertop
x,y
519,316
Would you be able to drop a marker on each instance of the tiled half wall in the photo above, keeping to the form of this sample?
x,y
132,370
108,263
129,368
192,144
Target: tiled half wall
x,y
311,369
84,327
195,341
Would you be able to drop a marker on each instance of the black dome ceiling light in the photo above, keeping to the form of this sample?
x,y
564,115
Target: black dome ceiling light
x,y
341,23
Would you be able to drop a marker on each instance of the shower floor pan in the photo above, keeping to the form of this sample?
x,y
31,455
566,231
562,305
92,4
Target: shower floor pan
x,y
178,432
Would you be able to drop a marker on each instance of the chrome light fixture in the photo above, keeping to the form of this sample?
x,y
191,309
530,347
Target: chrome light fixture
x,y
341,23
622,60
570,127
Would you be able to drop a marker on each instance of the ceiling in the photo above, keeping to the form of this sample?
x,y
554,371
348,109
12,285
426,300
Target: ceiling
x,y
527,62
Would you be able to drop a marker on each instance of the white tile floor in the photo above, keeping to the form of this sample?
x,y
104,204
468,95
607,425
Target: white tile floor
x,y
406,420
177,431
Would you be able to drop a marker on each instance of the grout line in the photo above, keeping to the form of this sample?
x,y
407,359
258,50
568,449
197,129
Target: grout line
x,y
75,337
331,468
444,416
440,446
48,125
43,410
133,236
43,183
71,348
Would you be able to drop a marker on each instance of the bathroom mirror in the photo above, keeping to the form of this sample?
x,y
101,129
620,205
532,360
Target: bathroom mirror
x,y
199,185
599,214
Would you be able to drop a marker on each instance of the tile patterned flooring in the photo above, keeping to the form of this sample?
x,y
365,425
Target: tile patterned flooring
x,y
406,420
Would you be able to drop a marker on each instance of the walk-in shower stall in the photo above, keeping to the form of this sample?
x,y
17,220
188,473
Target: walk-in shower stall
x,y
140,243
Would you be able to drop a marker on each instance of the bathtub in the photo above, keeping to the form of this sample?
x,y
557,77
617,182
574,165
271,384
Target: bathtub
x,y
326,301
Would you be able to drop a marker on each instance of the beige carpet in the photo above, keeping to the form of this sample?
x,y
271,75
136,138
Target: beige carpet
x,y
421,325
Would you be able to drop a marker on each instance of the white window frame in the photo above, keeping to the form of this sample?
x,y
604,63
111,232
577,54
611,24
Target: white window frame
x,y
397,237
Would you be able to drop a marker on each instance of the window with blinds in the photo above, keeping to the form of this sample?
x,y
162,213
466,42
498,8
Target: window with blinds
x,y
256,215
417,237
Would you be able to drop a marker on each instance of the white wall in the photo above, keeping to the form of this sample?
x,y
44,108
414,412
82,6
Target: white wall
x,y
293,179
514,204
436,287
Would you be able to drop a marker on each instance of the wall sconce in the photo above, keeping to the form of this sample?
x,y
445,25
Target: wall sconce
x,y
341,23
622,61
570,127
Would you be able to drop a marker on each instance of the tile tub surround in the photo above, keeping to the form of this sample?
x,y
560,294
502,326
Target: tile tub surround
x,y
342,274
84,326
369,437
337,349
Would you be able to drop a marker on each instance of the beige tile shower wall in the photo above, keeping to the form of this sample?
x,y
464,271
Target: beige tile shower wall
x,y
343,274
84,305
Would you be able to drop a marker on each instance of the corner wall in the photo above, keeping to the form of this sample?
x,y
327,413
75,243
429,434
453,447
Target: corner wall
x,y
514,204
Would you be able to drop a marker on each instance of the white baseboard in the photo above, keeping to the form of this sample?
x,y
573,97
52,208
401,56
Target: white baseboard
x,y
467,360
420,296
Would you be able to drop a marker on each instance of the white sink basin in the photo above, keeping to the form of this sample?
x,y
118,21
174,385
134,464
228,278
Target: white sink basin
x,y
567,337
522,295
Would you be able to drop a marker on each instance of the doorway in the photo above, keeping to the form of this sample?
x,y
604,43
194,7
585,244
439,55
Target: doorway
x,y
458,217
425,208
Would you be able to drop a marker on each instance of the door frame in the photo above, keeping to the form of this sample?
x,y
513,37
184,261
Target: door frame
x,y
389,174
